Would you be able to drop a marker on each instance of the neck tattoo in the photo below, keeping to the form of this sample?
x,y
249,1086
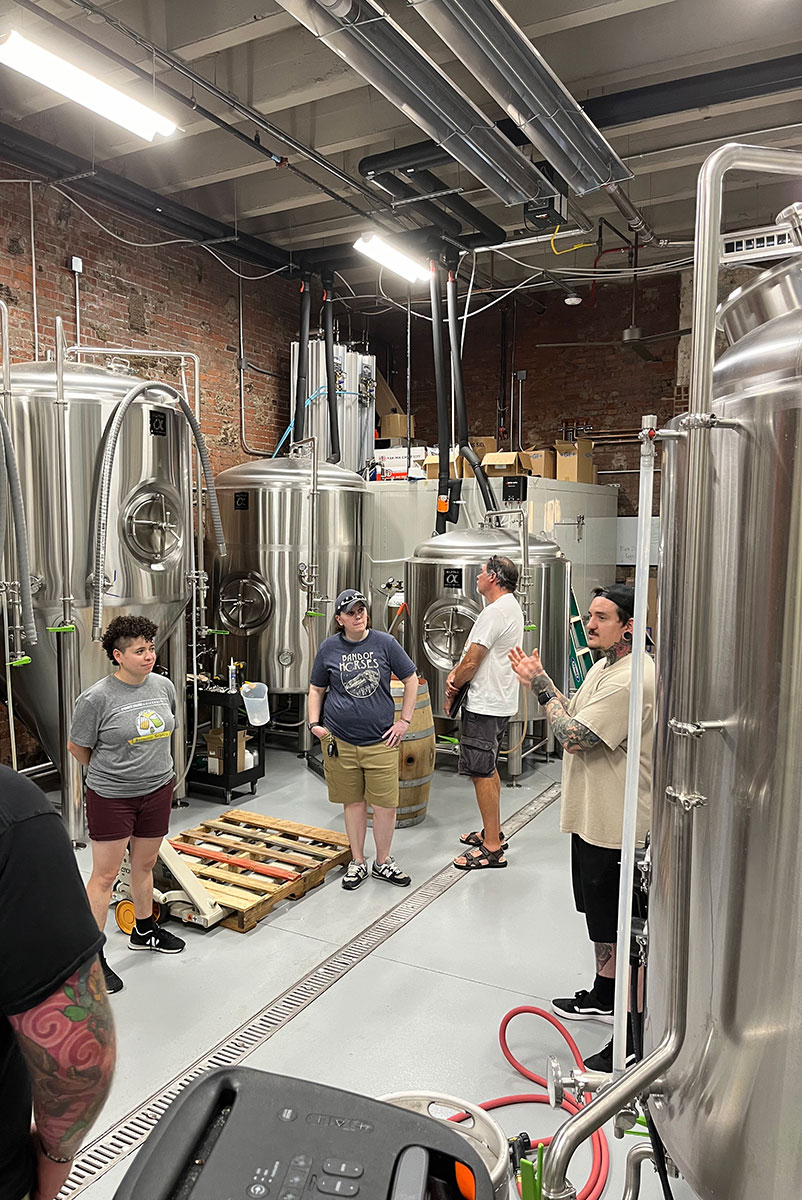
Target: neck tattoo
x,y
618,651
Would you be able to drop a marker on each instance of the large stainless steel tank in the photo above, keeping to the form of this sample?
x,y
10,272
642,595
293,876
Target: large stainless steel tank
x,y
257,590
729,1112
440,590
147,544
356,402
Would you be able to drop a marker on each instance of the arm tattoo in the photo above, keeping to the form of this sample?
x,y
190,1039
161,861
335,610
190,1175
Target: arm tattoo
x,y
572,735
68,1045
542,683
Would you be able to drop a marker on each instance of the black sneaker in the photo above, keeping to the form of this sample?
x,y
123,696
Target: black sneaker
x,y
356,874
158,938
113,981
390,871
603,1061
582,1005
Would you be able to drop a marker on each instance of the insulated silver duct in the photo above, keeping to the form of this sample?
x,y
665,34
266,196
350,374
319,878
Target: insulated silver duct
x,y
486,39
375,46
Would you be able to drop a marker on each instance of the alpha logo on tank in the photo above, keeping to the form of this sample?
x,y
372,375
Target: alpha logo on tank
x,y
359,673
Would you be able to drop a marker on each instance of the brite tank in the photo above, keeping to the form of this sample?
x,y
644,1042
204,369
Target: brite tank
x,y
148,517
356,402
443,602
729,1112
257,592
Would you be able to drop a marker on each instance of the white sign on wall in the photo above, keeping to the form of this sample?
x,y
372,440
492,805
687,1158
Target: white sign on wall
x,y
627,540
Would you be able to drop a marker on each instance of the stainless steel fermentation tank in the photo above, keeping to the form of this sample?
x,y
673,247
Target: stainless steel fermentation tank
x,y
279,526
356,402
149,519
729,1110
440,590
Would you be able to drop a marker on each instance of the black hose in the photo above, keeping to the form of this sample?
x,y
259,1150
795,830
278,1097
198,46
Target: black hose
x,y
466,449
636,1020
443,439
331,374
301,386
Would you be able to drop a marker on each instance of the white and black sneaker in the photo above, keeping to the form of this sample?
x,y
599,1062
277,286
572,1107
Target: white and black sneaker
x,y
158,939
357,873
113,982
390,871
583,1005
603,1061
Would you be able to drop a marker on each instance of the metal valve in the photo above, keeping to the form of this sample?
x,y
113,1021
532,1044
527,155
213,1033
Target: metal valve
x,y
576,1082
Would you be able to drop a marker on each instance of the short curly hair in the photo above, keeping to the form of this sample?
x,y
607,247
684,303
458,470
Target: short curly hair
x,y
124,630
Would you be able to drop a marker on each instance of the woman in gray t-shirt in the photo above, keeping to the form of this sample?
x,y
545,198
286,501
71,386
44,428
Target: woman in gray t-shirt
x,y
121,732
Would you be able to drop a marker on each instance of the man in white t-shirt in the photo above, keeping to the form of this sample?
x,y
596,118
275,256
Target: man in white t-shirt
x,y
493,697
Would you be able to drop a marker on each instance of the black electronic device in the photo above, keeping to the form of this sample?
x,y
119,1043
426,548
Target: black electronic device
x,y
513,488
456,704
258,1136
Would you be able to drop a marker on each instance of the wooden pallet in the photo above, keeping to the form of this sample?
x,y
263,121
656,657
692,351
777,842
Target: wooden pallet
x,y
248,862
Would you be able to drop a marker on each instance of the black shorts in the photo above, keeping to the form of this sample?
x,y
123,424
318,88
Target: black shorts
x,y
479,744
596,876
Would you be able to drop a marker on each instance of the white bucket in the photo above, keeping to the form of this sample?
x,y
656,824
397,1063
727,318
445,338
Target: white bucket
x,y
256,703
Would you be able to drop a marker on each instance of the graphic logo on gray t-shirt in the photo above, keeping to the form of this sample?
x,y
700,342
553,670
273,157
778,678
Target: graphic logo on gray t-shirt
x,y
360,673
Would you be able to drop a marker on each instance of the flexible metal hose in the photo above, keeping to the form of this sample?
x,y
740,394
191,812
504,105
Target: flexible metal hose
x,y
20,532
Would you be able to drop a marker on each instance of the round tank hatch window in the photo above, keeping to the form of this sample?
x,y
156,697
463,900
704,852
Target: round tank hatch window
x,y
245,603
445,631
153,527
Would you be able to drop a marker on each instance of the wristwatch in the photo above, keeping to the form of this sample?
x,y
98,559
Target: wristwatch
x,y
544,696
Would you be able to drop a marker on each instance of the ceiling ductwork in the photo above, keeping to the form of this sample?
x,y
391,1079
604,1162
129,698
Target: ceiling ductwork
x,y
487,41
379,50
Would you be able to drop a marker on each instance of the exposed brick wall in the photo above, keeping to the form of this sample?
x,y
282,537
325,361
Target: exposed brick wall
x,y
177,297
606,386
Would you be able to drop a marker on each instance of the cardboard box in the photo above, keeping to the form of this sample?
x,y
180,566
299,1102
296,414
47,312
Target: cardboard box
x,y
503,462
542,461
214,749
575,460
395,425
480,446
385,399
431,465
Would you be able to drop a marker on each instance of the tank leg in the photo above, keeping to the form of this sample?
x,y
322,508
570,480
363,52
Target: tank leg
x,y
72,783
515,733
177,649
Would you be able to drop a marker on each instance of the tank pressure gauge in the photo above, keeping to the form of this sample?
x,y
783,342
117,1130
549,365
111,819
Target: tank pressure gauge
x,y
286,658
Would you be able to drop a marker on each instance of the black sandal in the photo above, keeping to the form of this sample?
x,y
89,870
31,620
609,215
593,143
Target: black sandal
x,y
480,859
476,839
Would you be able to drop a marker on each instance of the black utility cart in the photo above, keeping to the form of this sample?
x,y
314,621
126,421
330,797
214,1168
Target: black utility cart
x,y
231,718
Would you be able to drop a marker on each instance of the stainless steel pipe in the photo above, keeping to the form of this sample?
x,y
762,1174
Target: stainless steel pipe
x,y
637,1156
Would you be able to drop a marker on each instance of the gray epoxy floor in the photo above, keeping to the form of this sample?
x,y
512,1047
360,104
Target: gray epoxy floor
x,y
421,1012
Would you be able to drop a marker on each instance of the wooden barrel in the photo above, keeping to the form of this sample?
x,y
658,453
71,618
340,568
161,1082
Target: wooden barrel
x,y
415,757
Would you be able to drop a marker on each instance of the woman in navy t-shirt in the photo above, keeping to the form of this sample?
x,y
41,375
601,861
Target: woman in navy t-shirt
x,y
352,711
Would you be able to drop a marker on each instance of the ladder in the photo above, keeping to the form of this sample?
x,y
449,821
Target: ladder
x,y
580,655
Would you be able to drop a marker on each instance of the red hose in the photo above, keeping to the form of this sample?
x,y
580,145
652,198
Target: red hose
x,y
597,1179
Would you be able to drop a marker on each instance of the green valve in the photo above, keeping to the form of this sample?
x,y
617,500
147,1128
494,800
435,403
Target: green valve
x,y
61,629
22,661
530,628
312,612
441,737
528,1180
221,632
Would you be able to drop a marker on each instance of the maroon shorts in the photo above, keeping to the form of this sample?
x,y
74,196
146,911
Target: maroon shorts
x,y
112,818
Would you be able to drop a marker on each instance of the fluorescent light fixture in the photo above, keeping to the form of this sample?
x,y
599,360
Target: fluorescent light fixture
x,y
60,76
385,255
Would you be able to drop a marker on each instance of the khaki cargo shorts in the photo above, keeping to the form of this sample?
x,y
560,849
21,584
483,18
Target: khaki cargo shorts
x,y
358,773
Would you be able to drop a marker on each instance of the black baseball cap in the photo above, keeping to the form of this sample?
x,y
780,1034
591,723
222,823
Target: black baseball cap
x,y
348,600
620,594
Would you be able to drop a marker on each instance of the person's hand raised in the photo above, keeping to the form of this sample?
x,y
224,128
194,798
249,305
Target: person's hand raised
x,y
526,667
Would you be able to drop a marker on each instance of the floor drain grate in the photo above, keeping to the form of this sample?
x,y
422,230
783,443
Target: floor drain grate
x,y
123,1139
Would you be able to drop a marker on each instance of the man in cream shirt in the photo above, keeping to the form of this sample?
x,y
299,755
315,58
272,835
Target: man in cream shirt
x,y
493,698
592,729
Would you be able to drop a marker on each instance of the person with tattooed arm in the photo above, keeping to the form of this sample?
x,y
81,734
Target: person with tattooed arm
x,y
591,727
57,1048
